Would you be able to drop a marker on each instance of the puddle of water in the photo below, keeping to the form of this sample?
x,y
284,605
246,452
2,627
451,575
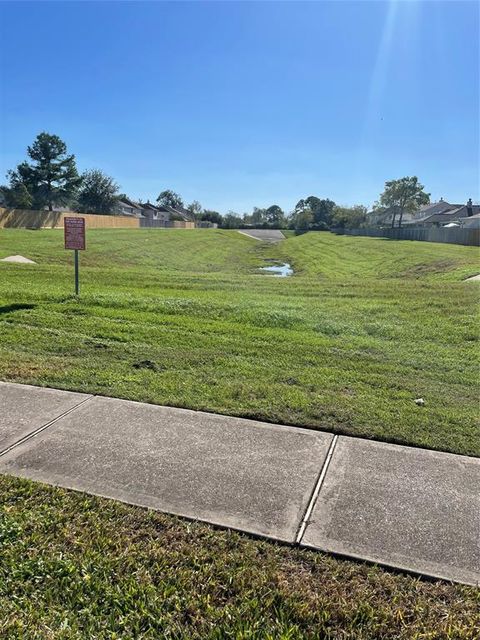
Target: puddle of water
x,y
280,270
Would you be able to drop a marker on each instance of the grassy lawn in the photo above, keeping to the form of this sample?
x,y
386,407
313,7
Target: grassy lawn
x,y
184,318
76,566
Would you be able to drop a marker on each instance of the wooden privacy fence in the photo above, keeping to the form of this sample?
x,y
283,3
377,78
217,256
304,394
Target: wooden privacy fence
x,y
27,219
469,237
146,223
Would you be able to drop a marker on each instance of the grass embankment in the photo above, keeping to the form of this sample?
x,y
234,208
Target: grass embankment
x,y
184,318
76,567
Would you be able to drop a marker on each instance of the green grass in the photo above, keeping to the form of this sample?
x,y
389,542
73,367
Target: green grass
x,y
78,567
184,318
351,258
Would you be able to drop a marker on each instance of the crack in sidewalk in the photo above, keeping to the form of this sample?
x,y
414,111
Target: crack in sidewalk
x,y
316,490
43,427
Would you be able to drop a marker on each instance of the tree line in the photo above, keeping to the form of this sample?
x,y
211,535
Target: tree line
x,y
50,178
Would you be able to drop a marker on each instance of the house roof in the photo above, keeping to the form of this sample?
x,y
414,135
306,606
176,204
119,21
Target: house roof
x,y
187,215
455,214
476,216
130,203
149,205
179,211
385,212
436,207
463,211
436,212
441,211
447,216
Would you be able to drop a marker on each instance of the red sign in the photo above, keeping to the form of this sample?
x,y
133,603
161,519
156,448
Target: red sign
x,y
74,230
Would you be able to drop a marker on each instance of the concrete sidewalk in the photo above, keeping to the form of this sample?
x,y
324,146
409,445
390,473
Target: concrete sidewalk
x,y
403,507
266,235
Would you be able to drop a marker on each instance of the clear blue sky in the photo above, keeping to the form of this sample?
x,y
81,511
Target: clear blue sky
x,y
243,104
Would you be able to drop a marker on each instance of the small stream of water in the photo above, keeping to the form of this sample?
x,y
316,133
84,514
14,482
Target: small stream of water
x,y
280,270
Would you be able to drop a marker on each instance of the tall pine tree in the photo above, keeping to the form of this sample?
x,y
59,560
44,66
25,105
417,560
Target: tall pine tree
x,y
51,178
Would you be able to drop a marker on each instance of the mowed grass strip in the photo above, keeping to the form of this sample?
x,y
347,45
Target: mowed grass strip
x,y
74,566
351,257
184,318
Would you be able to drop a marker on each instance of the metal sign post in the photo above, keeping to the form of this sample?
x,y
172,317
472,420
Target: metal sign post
x,y
77,284
74,232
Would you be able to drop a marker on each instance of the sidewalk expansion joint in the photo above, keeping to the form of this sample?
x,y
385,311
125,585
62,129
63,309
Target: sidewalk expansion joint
x,y
43,427
316,491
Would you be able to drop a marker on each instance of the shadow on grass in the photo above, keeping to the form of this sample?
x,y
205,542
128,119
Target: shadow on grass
x,y
15,307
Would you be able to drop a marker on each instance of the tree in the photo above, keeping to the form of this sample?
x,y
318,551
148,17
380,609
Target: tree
x,y
231,220
322,210
378,208
169,198
17,196
258,216
302,220
312,203
293,215
98,193
404,195
275,216
349,217
300,206
52,177
212,216
195,209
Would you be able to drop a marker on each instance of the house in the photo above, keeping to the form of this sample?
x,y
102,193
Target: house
x,y
165,216
127,207
440,208
382,218
471,222
178,213
454,215
152,212
434,214
415,218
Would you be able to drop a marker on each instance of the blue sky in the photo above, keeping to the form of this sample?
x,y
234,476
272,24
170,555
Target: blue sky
x,y
253,103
